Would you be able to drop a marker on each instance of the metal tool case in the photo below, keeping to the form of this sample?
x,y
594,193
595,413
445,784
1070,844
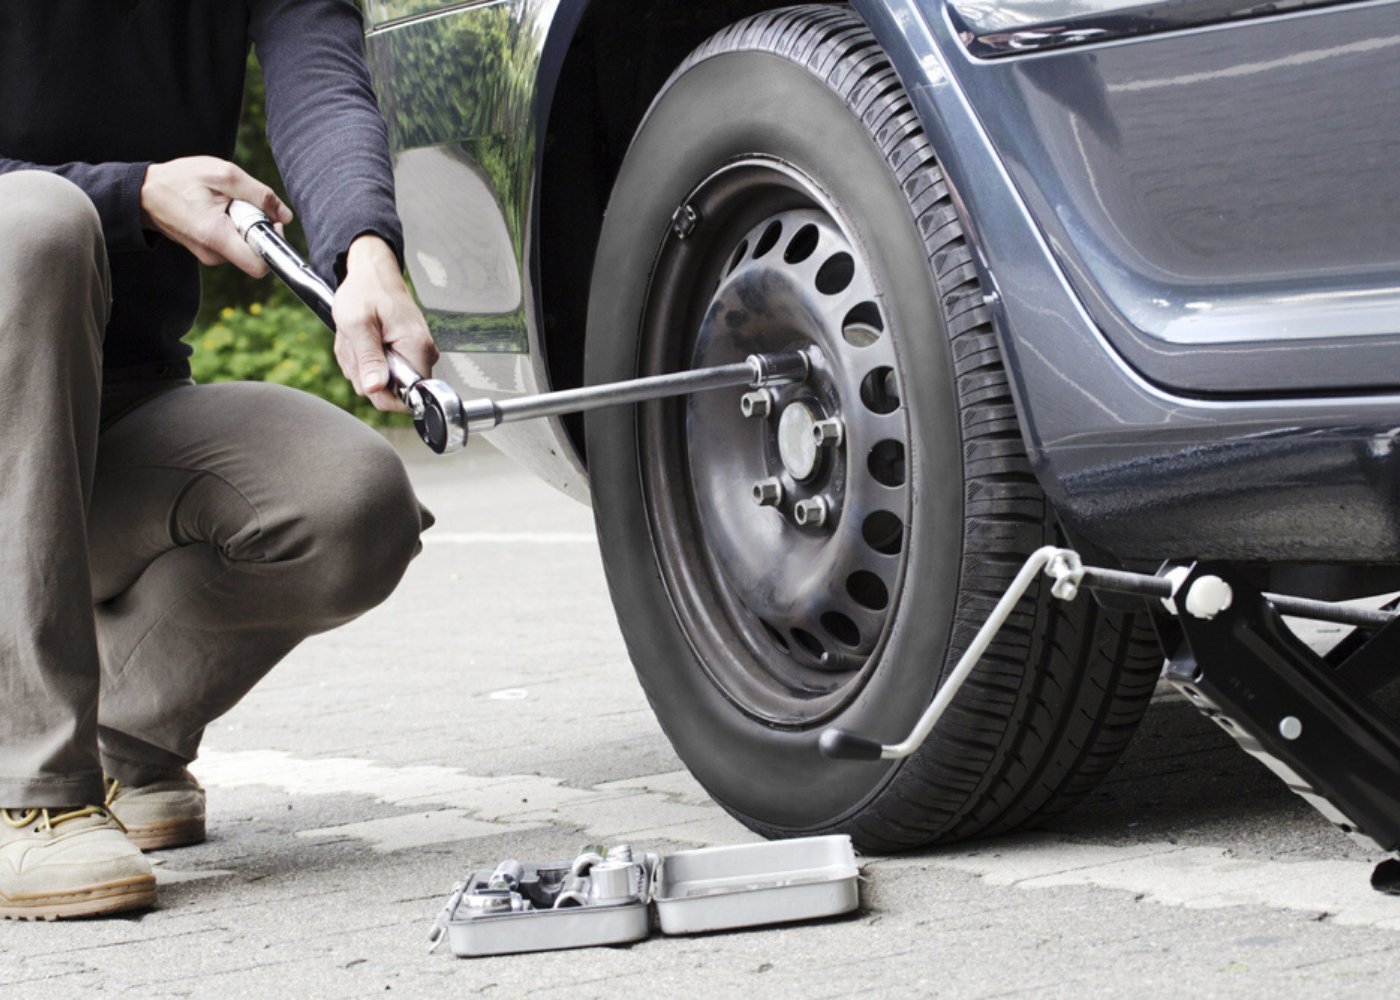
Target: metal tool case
x,y
604,897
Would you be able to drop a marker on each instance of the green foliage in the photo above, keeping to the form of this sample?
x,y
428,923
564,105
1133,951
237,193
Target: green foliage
x,y
380,11
281,343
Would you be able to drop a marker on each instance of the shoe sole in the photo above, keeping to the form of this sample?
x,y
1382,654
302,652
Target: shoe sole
x,y
136,893
167,834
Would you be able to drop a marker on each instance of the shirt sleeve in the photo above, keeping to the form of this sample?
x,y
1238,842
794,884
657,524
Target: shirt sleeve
x,y
323,121
115,188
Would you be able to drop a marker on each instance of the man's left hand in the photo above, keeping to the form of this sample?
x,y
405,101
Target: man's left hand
x,y
374,310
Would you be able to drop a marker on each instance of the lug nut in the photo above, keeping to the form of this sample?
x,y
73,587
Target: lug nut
x,y
811,513
768,492
757,404
829,432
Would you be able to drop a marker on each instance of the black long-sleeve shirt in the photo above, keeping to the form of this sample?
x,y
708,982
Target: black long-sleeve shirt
x,y
96,90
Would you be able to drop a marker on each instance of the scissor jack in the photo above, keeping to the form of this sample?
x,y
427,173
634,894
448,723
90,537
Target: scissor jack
x,y
1308,717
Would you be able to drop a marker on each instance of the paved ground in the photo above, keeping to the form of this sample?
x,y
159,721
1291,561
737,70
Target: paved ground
x,y
488,710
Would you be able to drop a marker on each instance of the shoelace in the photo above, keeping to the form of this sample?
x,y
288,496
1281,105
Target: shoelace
x,y
113,786
49,819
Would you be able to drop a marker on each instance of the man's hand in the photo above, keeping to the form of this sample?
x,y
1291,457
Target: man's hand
x,y
187,200
374,310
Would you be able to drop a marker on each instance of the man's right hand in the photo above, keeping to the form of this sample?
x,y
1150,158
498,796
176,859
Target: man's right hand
x,y
187,201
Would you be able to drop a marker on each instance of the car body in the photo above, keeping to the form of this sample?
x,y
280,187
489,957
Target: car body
x,y
1188,214
1121,273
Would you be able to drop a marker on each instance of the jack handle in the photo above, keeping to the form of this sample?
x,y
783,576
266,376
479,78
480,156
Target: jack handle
x,y
1206,598
438,413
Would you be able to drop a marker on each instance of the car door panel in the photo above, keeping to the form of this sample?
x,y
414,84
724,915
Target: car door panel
x,y
1220,190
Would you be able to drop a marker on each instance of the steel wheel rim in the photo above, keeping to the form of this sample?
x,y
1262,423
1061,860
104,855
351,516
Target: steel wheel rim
x,y
788,620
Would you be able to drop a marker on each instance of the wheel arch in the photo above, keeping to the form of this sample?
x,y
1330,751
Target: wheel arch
x,y
610,64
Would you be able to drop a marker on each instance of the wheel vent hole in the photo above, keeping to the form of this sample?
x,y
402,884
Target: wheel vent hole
x,y
887,463
868,590
768,240
739,256
864,325
879,392
841,628
776,636
809,644
884,532
803,245
836,274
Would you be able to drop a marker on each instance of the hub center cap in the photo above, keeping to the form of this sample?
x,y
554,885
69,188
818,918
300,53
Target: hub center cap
x,y
796,441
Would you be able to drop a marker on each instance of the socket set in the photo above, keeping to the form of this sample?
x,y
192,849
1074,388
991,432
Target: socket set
x,y
605,896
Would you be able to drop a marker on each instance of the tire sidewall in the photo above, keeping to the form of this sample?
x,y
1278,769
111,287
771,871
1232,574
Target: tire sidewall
x,y
720,109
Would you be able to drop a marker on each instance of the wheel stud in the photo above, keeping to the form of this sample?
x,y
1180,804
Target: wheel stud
x,y
829,432
757,404
811,513
768,492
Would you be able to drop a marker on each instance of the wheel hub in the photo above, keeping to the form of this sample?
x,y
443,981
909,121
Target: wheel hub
x,y
796,444
782,484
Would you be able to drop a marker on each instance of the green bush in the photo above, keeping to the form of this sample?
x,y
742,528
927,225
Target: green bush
x,y
282,343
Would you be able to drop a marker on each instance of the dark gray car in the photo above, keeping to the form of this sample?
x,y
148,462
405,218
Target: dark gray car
x,y
1120,274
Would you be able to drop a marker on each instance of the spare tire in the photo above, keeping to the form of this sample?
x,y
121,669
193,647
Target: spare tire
x,y
781,194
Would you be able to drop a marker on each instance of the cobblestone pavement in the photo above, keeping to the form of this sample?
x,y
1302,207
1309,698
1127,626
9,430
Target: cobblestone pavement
x,y
488,710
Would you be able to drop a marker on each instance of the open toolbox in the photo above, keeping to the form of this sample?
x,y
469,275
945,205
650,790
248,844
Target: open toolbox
x,y
606,896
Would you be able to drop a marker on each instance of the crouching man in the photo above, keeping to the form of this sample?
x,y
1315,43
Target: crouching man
x,y
165,543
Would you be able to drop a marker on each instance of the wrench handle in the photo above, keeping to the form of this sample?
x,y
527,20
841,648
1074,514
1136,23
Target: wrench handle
x,y
257,230
436,408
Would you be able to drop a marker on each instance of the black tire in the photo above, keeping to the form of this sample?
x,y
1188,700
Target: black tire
x,y
806,94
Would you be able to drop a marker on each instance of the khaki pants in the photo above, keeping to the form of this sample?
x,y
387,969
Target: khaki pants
x,y
162,545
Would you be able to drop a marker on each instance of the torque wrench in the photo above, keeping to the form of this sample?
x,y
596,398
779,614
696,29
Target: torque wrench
x,y
443,420
436,408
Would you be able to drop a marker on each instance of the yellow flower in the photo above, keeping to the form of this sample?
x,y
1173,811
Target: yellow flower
x,y
208,343
255,308
226,312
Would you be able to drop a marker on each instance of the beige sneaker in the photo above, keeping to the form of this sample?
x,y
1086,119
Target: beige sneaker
x,y
160,815
74,863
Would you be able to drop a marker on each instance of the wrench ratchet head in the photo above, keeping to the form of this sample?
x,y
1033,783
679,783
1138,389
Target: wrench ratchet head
x,y
437,415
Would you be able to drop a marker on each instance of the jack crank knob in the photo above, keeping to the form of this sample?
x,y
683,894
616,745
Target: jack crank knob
x,y
839,744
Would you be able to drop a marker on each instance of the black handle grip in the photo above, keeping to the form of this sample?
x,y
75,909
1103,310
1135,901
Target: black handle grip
x,y
838,744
